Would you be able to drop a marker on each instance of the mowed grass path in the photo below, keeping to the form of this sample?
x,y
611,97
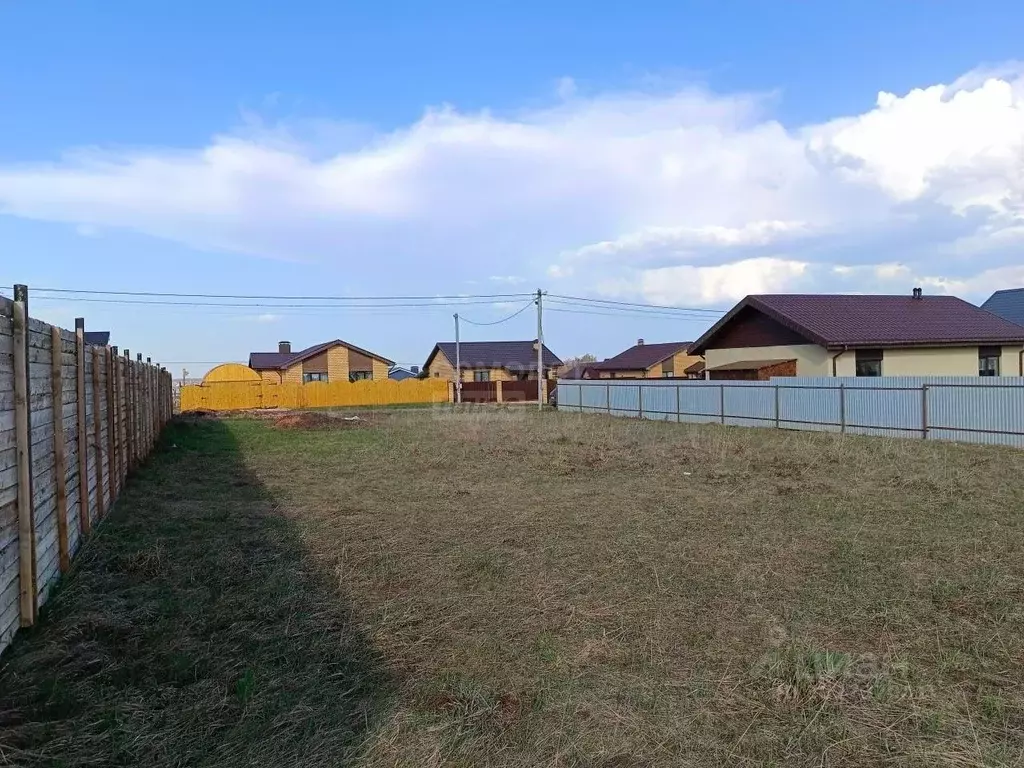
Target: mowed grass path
x,y
510,588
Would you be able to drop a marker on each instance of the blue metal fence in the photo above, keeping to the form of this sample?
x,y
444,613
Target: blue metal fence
x,y
937,407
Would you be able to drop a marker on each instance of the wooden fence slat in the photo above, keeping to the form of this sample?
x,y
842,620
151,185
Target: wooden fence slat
x,y
129,404
111,457
84,520
145,409
97,432
60,469
122,470
26,526
122,407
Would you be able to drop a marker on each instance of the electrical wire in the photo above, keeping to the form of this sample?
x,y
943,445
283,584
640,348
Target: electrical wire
x,y
371,305
580,308
158,294
160,303
504,319
701,310
625,314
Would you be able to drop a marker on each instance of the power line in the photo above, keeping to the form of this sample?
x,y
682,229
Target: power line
x,y
159,294
503,320
626,313
702,310
406,298
161,303
613,311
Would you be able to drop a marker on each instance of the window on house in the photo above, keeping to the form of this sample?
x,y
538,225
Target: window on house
x,y
869,362
481,375
667,374
308,377
988,361
360,375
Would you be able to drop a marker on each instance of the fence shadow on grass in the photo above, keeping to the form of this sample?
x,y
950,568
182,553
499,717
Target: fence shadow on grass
x,y
193,630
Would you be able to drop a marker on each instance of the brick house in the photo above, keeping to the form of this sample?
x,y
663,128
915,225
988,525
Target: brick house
x,y
330,361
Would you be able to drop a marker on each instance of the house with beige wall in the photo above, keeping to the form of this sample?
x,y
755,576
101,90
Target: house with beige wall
x,y
490,361
330,361
663,360
868,335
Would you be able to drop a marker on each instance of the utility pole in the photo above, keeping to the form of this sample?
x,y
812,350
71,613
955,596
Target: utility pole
x,y
540,350
458,363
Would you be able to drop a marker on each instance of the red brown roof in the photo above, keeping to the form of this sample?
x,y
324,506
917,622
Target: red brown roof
x,y
511,355
264,361
641,356
875,321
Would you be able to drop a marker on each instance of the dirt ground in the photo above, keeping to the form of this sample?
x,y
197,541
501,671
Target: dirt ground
x,y
505,588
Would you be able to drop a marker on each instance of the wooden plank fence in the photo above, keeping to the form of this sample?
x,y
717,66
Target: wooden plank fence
x,y
71,428
245,395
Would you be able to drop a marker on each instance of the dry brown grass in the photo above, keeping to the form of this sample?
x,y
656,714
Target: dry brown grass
x,y
493,587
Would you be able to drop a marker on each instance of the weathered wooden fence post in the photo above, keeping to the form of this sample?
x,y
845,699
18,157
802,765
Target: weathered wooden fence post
x,y
22,437
115,400
111,454
97,432
140,408
59,466
129,410
84,519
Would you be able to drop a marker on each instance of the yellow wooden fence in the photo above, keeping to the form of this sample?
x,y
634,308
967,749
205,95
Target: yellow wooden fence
x,y
244,395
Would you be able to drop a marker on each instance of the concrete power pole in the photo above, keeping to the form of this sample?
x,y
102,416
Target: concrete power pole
x,y
540,349
458,363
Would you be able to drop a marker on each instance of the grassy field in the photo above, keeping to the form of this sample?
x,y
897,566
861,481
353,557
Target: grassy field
x,y
521,589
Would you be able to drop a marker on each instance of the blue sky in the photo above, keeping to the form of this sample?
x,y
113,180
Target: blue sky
x,y
667,153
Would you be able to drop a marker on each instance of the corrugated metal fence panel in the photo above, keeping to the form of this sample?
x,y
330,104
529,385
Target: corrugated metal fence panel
x,y
964,408
569,393
893,412
981,415
960,408
700,403
752,405
809,409
625,399
659,403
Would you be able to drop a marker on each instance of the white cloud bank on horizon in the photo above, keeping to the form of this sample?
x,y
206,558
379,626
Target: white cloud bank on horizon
x,y
689,198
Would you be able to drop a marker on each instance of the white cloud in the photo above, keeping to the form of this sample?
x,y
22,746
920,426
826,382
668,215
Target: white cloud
x,y
684,240
911,145
690,194
722,285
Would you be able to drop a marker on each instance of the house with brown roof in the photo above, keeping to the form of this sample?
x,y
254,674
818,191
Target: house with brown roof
x,y
648,361
870,335
330,361
490,361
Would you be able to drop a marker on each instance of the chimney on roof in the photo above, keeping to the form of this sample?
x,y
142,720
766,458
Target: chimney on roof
x,y
414,369
917,293
284,347
639,342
